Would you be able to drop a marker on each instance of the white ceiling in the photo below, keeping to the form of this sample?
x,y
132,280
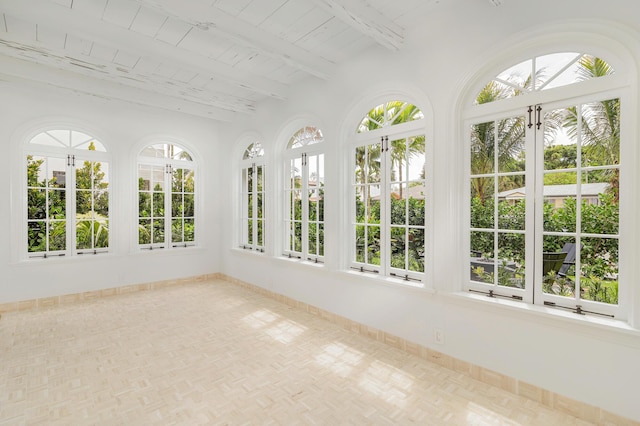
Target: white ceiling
x,y
212,58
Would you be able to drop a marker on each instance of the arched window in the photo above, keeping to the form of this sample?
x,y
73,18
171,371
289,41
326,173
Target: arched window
x,y
67,176
304,195
388,182
166,197
252,208
544,184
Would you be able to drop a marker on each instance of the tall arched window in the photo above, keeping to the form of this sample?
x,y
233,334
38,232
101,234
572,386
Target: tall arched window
x,y
304,195
166,197
388,182
252,191
67,176
544,181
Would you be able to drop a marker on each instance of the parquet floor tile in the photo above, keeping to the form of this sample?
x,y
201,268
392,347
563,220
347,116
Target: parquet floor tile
x,y
216,353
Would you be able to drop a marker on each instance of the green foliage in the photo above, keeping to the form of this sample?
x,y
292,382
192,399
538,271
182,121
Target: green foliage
x,y
598,256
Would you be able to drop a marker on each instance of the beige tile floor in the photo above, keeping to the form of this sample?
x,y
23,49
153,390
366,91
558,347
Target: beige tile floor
x,y
217,353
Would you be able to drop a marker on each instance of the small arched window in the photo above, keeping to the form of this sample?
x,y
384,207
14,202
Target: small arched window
x,y
304,195
543,73
166,197
389,114
68,178
252,198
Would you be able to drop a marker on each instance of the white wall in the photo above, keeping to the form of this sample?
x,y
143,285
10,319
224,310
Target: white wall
x,y
121,127
591,362
582,358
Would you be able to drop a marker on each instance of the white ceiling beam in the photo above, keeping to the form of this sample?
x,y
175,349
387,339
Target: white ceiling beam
x,y
226,26
106,34
362,17
28,71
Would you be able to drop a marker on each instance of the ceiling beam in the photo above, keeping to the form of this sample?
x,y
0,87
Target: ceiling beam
x,y
19,70
362,17
226,26
110,35
58,58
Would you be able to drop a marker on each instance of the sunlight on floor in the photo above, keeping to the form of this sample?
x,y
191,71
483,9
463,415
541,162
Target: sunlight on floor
x,y
260,318
479,415
339,358
387,383
285,331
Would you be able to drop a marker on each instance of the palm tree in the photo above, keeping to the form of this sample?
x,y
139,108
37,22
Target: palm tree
x,y
600,123
510,133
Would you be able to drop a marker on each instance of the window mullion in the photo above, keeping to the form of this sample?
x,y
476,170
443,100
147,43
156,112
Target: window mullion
x,y
168,194
305,206
385,210
71,197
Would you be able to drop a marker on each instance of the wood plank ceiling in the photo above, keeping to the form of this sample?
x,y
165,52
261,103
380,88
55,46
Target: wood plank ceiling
x,y
211,58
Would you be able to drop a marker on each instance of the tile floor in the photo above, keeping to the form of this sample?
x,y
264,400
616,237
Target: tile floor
x,y
216,353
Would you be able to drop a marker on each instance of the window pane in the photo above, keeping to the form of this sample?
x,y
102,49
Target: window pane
x,y
482,244
373,245
482,148
177,205
158,204
559,207
416,250
84,234
398,205
57,204
144,204
511,203
360,243
189,205
600,210
601,133
36,204
482,203
416,211
57,235
510,262
36,236
158,230
144,231
56,172
511,153
101,203
101,234
297,246
189,230
599,270
321,240
558,265
398,247
176,231
260,241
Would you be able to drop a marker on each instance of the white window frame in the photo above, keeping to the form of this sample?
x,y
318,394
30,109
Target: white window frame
x,y
300,157
252,164
388,133
603,88
72,156
165,165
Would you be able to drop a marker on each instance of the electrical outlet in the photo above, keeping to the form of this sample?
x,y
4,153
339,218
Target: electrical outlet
x,y
438,336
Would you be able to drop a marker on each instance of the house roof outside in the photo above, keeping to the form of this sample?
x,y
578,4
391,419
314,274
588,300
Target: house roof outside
x,y
557,191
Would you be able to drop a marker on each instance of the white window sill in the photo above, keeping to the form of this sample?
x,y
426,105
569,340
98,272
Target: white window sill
x,y
604,328
389,281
